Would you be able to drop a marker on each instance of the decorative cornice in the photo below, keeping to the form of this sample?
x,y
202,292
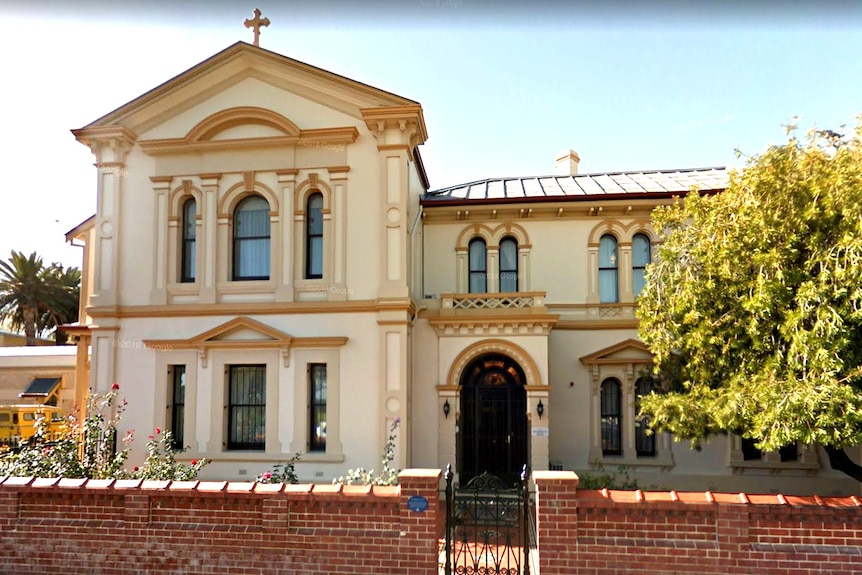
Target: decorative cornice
x,y
311,138
493,324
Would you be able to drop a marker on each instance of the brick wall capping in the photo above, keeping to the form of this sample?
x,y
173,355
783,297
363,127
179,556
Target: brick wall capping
x,y
707,497
45,482
419,474
212,486
72,482
545,476
128,483
326,489
18,481
268,487
356,490
183,485
153,484
386,490
301,488
100,483
240,486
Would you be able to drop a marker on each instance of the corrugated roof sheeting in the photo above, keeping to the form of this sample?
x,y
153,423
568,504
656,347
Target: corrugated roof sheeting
x,y
615,184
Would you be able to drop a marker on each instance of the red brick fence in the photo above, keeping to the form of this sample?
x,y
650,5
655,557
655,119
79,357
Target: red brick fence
x,y
69,526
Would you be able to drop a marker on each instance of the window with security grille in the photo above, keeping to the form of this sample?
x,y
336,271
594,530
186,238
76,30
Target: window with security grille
x,y
246,418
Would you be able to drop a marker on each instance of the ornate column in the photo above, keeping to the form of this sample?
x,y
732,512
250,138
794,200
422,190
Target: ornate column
x,y
161,188
110,145
206,256
338,234
284,283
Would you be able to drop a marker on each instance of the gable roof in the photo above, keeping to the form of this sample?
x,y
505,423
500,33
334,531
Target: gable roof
x,y
624,352
582,187
234,63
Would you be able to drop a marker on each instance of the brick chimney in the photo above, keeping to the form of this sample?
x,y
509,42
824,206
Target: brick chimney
x,y
567,163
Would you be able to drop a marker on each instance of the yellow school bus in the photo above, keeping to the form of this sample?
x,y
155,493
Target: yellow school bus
x,y
18,423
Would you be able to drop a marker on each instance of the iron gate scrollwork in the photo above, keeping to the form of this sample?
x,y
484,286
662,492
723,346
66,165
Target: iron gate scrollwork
x,y
490,529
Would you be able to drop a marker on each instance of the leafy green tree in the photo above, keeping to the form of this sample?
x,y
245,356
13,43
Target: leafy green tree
x,y
753,308
35,298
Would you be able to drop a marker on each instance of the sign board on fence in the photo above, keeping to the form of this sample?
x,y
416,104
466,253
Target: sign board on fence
x,y
541,432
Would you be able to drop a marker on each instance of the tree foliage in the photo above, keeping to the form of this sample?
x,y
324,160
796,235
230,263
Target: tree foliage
x,y
37,298
753,307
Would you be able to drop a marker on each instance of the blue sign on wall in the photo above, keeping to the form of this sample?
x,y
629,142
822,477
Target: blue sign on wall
x,y
417,503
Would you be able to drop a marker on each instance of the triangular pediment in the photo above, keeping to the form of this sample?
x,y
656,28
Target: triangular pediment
x,y
241,329
238,64
625,352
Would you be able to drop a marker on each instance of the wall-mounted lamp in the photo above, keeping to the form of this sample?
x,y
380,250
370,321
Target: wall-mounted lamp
x,y
540,409
446,409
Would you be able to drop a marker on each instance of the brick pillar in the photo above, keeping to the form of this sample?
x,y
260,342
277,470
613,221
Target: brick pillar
x,y
420,533
556,513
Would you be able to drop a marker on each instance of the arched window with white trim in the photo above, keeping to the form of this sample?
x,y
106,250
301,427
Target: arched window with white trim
x,y
314,236
478,266
251,239
509,265
641,256
188,249
608,270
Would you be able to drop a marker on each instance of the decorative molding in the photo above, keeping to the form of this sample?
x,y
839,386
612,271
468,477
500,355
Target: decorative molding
x,y
250,308
516,352
495,324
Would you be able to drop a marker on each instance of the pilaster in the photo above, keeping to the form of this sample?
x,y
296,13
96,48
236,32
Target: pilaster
x,y
207,255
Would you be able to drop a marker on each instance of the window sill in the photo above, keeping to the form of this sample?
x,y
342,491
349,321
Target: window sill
x,y
773,466
664,461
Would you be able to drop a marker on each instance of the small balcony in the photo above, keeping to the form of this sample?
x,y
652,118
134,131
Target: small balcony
x,y
492,301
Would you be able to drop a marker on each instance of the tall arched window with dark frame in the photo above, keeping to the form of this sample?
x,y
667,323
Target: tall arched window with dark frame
x,y
251,239
314,236
188,249
478,262
509,265
608,270
641,256
611,418
644,438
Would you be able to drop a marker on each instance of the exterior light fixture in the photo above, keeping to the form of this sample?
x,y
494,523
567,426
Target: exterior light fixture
x,y
540,409
446,409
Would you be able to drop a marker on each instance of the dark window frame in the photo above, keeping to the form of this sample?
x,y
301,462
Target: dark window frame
x,y
177,406
311,234
504,271
238,240
611,267
478,273
640,266
611,417
243,440
316,405
188,255
644,442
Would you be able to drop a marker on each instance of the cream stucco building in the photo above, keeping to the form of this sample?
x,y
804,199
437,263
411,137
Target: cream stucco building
x,y
268,273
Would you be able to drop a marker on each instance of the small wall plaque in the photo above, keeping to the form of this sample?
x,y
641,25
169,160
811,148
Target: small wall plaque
x,y
417,503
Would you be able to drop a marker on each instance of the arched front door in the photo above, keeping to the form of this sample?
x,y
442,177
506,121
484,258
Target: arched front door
x,y
493,426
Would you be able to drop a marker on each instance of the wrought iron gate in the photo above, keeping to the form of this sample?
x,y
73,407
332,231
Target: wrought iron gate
x,y
490,528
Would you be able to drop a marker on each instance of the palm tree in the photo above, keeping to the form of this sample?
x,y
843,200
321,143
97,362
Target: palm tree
x,y
36,298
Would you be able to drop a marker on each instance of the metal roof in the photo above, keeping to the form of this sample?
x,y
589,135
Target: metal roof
x,y
41,387
613,185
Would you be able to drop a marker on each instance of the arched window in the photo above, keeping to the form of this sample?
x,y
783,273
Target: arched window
x,y
608,276
189,251
644,442
478,266
251,239
509,265
314,237
641,256
611,418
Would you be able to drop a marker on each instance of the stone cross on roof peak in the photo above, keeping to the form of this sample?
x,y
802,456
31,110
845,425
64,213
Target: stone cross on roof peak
x,y
257,22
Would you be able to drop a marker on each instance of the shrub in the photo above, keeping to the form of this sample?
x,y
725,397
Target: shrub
x,y
387,476
281,472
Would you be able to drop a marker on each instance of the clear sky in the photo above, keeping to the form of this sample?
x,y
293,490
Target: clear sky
x,y
504,85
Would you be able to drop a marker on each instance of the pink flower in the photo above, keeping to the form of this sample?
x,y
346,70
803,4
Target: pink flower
x,y
135,468
267,475
158,430
150,437
194,461
115,386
